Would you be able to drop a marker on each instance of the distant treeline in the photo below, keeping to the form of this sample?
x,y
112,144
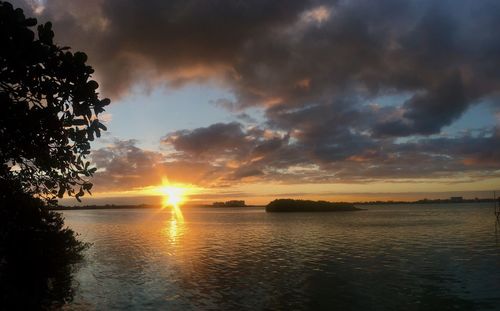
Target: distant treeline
x,y
240,203
124,206
430,201
290,205
232,203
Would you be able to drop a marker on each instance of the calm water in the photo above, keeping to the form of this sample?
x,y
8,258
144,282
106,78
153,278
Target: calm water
x,y
427,257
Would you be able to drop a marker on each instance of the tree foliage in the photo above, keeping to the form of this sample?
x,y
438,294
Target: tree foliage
x,y
37,253
49,110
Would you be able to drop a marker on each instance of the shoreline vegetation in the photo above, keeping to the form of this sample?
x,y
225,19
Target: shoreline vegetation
x,y
217,205
231,203
290,205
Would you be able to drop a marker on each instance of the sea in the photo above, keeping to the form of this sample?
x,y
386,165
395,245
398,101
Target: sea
x,y
386,257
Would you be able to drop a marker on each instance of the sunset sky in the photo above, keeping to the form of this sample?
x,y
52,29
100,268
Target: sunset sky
x,y
338,100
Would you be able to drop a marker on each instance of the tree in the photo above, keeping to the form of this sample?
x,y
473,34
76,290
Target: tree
x,y
38,253
49,110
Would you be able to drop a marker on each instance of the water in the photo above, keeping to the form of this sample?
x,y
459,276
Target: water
x,y
399,257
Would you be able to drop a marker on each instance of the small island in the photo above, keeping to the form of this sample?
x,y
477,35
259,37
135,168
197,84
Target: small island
x,y
290,205
232,203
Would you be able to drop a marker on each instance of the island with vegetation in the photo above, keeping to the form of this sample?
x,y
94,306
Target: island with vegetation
x,y
290,205
232,203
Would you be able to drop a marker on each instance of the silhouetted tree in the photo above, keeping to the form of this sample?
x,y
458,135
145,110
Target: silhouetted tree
x,y
49,110
37,253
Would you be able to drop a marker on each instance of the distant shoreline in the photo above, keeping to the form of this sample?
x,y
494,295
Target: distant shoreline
x,y
428,201
137,206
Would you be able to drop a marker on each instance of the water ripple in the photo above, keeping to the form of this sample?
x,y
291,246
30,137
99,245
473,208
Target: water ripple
x,y
389,257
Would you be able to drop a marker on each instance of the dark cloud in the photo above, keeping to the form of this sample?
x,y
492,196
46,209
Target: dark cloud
x,y
123,165
264,155
316,68
302,51
217,138
163,41
237,151
349,157
245,117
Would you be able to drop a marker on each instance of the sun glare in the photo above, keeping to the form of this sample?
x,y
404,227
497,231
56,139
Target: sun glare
x,y
173,196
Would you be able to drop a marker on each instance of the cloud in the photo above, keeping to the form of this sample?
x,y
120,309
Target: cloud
x,y
254,154
218,138
161,41
302,52
426,113
238,152
315,68
123,165
338,155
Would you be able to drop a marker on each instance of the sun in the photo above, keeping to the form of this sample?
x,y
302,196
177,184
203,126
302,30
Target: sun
x,y
173,196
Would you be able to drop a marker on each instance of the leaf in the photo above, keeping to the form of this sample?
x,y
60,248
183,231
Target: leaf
x,y
30,22
79,122
45,33
92,85
90,135
102,126
105,101
61,192
80,57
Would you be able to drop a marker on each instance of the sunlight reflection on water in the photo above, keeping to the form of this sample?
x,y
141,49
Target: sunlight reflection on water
x,y
393,257
174,229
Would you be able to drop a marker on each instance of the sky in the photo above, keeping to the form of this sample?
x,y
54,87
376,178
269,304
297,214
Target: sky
x,y
337,100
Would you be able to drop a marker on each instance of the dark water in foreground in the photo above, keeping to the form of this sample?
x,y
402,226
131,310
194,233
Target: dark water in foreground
x,y
427,257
